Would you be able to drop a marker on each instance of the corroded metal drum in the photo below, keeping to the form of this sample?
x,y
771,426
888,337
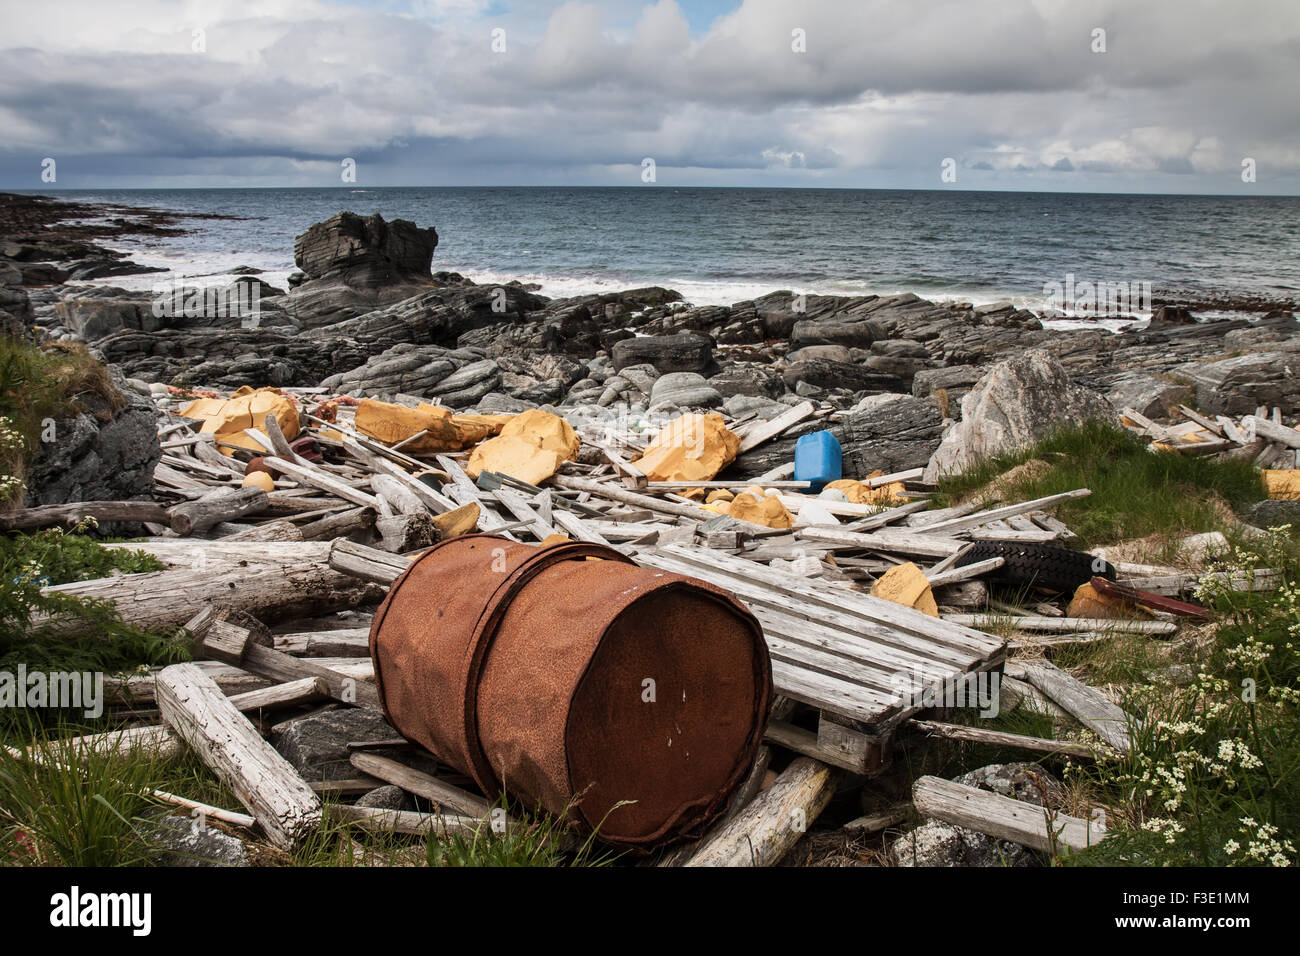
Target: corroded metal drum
x,y
575,680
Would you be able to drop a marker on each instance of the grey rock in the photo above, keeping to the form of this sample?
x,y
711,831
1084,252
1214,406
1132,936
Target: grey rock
x,y
387,798
469,384
317,745
1017,403
1271,513
1235,386
952,379
104,453
828,374
187,841
890,433
839,330
746,379
495,403
94,318
365,253
832,353
414,369
1150,395
684,389
686,352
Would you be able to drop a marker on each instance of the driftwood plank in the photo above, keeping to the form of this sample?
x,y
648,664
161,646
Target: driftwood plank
x,y
1003,817
893,540
280,800
270,590
1001,739
73,514
1030,622
404,821
1257,425
764,831
1006,511
421,784
1084,703
310,475
760,432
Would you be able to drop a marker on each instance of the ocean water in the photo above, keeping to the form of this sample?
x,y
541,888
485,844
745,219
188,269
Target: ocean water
x,y
718,246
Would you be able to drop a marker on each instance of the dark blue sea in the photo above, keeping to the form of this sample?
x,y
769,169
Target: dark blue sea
x,y
718,246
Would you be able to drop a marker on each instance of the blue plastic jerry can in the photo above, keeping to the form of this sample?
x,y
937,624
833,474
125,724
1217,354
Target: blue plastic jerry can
x,y
817,458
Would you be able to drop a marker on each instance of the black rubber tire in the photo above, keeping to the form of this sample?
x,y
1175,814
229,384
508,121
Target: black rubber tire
x,y
1038,565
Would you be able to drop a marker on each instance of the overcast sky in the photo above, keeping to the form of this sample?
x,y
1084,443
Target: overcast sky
x,y
860,93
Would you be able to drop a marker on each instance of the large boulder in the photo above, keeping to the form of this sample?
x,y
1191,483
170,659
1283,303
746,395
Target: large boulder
x,y
1019,401
849,331
684,389
405,368
317,745
95,318
891,432
1151,395
686,352
1238,385
105,452
825,373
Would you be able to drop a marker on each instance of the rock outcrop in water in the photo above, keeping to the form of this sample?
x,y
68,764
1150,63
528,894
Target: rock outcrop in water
x,y
352,264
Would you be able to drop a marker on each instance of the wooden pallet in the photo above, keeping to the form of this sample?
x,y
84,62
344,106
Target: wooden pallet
x,y
866,664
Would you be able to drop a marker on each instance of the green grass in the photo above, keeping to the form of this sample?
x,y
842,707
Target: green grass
x,y
73,809
1135,492
530,839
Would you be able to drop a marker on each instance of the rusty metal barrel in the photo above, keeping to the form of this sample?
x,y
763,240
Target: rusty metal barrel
x,y
573,680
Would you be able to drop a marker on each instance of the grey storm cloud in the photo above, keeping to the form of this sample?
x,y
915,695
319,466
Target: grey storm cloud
x,y
869,93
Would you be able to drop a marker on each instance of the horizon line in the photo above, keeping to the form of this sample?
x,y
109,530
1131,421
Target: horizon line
x,y
353,187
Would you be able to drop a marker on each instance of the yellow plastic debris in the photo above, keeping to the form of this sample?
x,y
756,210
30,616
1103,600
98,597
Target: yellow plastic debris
x,y
444,430
1089,602
719,494
226,418
693,447
458,521
1283,484
259,479
531,447
907,584
861,493
551,540
758,508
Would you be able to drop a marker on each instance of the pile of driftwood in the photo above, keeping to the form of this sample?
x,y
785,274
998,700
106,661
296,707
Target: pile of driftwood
x,y
252,578
1261,437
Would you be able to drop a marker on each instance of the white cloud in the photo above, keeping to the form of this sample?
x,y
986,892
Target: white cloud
x,y
884,89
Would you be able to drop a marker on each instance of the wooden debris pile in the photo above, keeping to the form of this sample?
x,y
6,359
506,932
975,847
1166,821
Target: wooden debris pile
x,y
1261,438
858,675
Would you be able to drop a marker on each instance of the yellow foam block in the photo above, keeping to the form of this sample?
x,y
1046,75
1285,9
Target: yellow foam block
x,y
693,447
1283,484
227,418
531,447
907,584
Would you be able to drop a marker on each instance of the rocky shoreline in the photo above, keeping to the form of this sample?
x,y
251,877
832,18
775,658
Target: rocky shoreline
x,y
366,316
